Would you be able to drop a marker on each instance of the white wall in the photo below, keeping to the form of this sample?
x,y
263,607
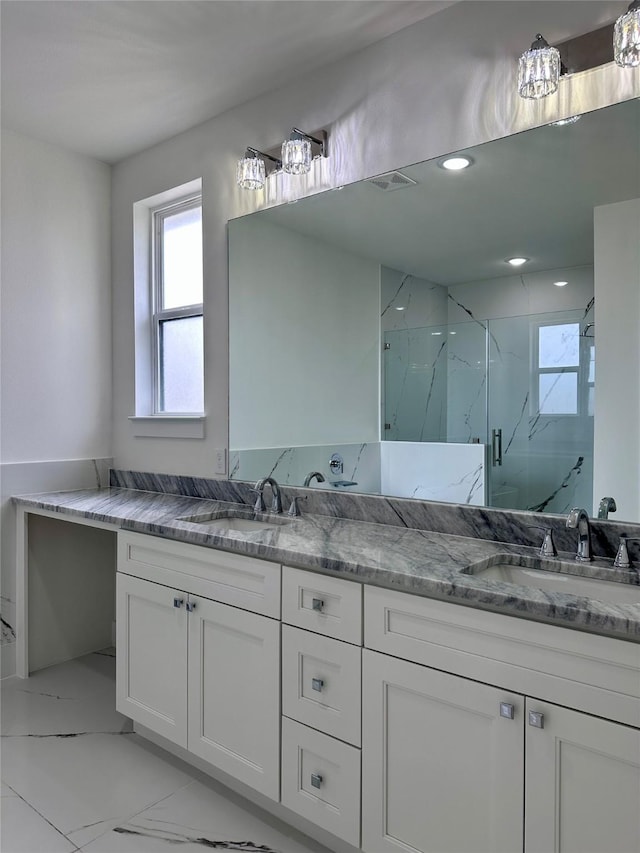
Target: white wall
x,y
56,304
309,318
435,87
56,387
617,388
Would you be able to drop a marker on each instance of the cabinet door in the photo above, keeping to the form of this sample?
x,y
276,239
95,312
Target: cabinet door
x,y
442,771
582,783
151,656
234,690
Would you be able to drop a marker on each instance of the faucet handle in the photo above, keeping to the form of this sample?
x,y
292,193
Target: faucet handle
x,y
622,560
548,547
294,509
259,505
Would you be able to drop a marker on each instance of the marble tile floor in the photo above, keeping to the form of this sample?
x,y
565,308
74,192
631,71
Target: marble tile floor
x,y
76,777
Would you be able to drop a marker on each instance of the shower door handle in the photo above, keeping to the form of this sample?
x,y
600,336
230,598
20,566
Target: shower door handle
x,y
496,447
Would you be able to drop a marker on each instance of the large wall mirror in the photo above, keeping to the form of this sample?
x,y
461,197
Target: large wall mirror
x,y
379,336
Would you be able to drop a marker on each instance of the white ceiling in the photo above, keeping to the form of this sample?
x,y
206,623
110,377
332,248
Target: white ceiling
x,y
112,77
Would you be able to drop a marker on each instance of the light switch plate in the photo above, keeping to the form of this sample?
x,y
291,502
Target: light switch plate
x,y
220,466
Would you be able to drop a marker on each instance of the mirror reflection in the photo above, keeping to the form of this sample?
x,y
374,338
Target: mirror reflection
x,y
384,336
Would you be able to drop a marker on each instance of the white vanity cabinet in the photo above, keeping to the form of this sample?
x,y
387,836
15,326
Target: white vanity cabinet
x,y
321,700
449,760
582,783
442,770
200,672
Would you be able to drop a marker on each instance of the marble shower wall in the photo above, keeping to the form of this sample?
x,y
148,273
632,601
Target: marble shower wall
x,y
290,465
413,321
434,471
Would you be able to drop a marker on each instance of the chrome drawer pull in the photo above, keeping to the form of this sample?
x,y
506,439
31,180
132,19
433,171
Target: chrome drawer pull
x,y
317,684
507,710
178,602
191,606
317,604
316,780
536,719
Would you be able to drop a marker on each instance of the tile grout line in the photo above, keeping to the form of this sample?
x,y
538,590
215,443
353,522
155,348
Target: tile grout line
x,y
129,817
45,819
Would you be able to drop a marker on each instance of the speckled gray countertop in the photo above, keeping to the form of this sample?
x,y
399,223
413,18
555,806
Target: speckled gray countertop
x,y
420,562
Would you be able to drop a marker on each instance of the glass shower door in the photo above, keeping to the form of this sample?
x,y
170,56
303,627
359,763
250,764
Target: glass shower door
x,y
540,412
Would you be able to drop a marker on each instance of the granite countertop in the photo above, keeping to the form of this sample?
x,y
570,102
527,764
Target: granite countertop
x,y
421,562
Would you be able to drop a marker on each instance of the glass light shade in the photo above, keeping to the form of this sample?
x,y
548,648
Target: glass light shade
x,y
251,173
626,38
539,70
296,156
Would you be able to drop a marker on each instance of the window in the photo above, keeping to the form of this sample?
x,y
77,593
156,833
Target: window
x,y
560,387
177,307
168,321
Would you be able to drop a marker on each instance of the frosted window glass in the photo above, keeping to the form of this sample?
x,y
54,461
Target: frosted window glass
x,y
558,394
182,258
181,365
559,345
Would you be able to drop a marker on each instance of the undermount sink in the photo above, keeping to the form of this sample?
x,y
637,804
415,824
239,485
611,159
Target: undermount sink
x,y
553,576
237,520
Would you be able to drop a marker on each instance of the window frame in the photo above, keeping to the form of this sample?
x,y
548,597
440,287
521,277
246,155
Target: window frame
x,y
580,370
159,314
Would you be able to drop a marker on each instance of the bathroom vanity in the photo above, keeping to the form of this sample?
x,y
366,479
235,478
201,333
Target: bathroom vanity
x,y
355,675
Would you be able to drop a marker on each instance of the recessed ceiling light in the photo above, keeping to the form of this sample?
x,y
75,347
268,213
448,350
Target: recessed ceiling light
x,y
456,164
560,283
399,307
517,262
436,333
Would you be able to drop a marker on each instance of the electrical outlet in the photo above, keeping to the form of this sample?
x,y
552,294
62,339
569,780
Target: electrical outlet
x,y
221,462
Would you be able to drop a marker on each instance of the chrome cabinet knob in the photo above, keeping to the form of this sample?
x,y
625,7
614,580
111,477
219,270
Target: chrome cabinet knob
x,y
317,684
178,602
317,604
191,606
316,780
536,719
507,710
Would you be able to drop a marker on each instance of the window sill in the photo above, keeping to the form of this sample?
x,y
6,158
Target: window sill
x,y
167,426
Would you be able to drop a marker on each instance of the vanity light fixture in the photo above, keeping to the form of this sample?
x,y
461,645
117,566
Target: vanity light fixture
x,y
626,37
251,172
539,70
517,262
456,164
560,283
297,151
563,122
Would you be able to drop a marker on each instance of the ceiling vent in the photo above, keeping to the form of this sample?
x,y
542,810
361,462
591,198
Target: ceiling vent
x,y
391,181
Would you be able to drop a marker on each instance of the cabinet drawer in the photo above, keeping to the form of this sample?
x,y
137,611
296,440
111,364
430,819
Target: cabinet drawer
x,y
595,674
230,578
329,606
321,683
321,780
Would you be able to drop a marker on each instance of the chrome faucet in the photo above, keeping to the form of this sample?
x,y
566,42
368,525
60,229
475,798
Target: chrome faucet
x,y
607,505
276,503
314,475
579,518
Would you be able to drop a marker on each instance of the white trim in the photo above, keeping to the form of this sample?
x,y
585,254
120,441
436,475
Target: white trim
x,y
168,426
143,299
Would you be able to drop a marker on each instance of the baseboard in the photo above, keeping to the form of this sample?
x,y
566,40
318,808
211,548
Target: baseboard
x,y
7,661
